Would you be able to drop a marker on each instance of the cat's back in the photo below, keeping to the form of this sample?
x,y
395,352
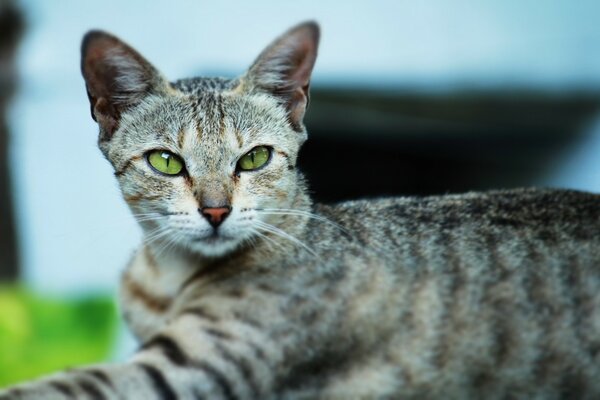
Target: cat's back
x,y
548,217
492,294
531,209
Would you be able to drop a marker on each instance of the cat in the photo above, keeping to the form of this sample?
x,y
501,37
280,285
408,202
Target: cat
x,y
245,289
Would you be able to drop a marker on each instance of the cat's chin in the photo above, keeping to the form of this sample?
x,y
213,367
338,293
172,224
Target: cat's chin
x,y
213,246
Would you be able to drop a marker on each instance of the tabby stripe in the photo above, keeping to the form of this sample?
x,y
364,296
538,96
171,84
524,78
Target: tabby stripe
x,y
90,389
140,196
150,260
189,180
239,138
406,315
219,100
63,388
241,364
535,288
503,336
436,283
265,287
418,278
201,313
181,138
531,258
168,347
163,388
100,376
218,333
258,352
574,281
573,381
200,274
208,271
197,395
156,304
123,169
218,378
198,131
283,154
126,166
248,320
452,303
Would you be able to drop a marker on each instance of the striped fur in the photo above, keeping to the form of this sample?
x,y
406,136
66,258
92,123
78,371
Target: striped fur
x,y
482,295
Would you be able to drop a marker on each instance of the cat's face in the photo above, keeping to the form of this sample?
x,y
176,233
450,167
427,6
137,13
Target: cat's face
x,y
203,163
208,135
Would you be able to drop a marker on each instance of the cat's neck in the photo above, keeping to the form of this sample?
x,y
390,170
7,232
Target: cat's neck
x,y
159,274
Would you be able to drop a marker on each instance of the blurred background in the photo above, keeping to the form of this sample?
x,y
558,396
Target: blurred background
x,y
409,98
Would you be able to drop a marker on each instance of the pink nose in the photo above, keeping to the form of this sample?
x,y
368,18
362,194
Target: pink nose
x,y
215,215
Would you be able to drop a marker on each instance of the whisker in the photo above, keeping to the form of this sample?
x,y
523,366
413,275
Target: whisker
x,y
170,242
285,235
156,234
270,241
149,218
287,211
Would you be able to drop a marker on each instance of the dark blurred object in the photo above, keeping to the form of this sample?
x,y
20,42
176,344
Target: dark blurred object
x,y
367,143
11,28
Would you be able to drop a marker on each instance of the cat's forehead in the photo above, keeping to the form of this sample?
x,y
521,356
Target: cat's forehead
x,y
205,113
218,98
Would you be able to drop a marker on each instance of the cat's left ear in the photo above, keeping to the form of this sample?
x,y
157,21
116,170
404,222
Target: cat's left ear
x,y
283,69
117,78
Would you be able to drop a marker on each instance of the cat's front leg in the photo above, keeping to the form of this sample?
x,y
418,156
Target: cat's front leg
x,y
147,378
97,382
197,355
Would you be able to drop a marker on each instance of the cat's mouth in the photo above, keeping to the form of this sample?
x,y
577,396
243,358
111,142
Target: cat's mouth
x,y
214,238
214,244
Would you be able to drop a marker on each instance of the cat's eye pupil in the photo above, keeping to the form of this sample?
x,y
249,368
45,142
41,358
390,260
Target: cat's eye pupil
x,y
254,159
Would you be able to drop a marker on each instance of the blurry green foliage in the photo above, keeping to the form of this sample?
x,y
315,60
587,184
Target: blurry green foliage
x,y
40,335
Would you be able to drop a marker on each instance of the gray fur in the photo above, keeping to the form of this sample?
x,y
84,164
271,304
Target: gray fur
x,y
482,295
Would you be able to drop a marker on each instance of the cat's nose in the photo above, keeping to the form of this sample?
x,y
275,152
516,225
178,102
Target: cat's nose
x,y
215,215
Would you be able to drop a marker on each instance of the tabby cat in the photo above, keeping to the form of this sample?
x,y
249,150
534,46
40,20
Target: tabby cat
x,y
245,289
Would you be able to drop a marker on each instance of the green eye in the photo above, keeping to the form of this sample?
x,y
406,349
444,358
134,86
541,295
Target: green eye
x,y
254,159
165,162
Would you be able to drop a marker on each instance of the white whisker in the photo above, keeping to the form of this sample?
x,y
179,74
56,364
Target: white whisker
x,y
156,234
270,241
169,243
302,213
285,235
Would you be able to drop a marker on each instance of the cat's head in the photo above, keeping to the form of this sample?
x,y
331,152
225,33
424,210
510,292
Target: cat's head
x,y
204,163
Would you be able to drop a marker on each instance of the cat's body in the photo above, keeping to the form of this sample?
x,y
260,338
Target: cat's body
x,y
471,296
243,289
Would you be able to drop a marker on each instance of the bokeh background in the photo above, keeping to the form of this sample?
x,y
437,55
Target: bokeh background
x,y
409,98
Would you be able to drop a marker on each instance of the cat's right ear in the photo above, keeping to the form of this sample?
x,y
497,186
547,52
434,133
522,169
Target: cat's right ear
x,y
284,68
116,77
